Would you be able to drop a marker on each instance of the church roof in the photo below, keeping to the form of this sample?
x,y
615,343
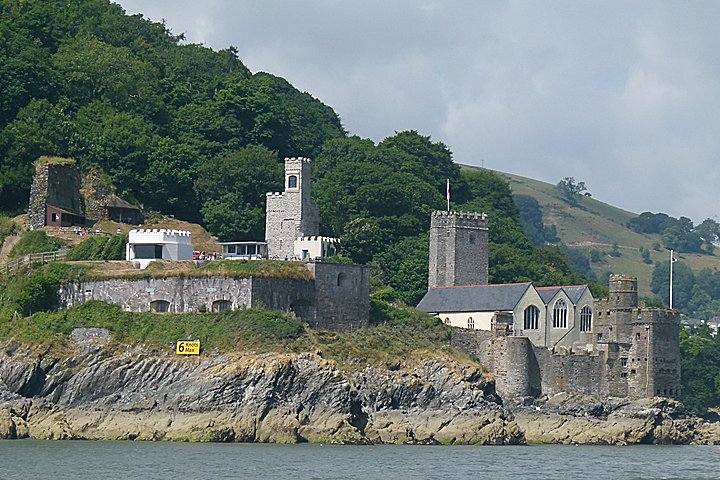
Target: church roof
x,y
473,298
574,292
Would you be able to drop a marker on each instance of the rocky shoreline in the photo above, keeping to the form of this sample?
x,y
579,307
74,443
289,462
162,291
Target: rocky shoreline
x,y
97,390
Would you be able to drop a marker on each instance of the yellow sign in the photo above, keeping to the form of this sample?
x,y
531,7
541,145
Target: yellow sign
x,y
188,347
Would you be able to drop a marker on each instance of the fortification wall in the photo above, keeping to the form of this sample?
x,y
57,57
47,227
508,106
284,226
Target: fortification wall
x,y
342,296
571,372
187,294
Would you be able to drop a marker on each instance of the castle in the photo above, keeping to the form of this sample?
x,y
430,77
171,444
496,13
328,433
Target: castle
x,y
543,340
335,297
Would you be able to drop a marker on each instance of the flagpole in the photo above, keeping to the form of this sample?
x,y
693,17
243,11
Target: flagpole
x,y
672,260
448,195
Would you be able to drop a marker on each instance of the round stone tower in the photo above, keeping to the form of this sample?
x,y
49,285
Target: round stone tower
x,y
623,292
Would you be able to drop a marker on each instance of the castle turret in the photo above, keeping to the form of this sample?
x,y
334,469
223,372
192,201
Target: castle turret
x,y
623,291
458,249
292,213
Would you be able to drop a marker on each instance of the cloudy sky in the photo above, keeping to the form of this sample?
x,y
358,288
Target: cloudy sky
x,y
624,96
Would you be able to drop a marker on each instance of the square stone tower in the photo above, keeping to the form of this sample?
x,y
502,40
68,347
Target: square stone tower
x,y
56,188
292,213
458,249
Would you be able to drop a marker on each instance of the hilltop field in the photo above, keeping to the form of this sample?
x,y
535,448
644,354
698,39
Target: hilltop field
x,y
595,225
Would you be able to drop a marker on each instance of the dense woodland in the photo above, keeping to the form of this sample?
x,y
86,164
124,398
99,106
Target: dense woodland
x,y
191,132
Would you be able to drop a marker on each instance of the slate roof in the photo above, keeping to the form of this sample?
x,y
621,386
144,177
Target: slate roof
x,y
574,292
473,298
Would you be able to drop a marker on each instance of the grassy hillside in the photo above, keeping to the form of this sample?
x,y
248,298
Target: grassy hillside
x,y
595,225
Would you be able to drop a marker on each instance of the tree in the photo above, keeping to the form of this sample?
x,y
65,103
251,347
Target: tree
x,y
231,189
570,190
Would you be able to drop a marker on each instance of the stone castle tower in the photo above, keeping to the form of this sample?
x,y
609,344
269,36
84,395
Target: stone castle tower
x,y
292,213
458,249
646,359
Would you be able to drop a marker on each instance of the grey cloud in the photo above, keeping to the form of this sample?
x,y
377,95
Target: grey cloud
x,y
623,95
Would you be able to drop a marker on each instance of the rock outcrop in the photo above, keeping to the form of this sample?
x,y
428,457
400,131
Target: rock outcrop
x,y
96,392
92,388
581,419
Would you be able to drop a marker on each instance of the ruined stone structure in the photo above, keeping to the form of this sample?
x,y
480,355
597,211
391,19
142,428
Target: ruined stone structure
x,y
548,339
458,249
338,298
55,198
60,197
292,213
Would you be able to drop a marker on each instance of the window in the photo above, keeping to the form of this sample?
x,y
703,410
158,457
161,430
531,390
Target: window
x,y
623,362
221,306
471,323
447,320
55,217
472,238
231,249
586,319
531,320
560,314
148,251
292,181
159,306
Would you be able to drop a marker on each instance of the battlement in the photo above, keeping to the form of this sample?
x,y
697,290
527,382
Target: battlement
x,y
275,194
614,277
299,160
316,238
181,233
646,316
462,215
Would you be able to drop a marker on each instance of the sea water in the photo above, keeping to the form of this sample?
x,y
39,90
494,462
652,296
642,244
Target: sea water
x,y
59,460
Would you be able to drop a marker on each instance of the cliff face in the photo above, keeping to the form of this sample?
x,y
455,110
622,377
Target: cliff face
x,y
91,389
93,392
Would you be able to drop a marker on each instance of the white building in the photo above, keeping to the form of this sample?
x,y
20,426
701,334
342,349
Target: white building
x,y
145,246
310,248
244,250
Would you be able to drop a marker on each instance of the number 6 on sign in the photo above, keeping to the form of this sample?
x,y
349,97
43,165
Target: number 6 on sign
x,y
187,347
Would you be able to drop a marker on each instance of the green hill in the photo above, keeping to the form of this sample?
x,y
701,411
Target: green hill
x,y
595,225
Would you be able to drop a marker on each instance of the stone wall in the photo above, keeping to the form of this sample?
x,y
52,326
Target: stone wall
x,y
55,184
338,298
458,249
342,295
96,189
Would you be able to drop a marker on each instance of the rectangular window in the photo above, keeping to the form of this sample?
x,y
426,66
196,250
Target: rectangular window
x,y
231,249
623,362
147,251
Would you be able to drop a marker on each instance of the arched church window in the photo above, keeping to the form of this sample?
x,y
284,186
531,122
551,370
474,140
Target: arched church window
x,y
586,319
292,181
560,314
471,323
531,320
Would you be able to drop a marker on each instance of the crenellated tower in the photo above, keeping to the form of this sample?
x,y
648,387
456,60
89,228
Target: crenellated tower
x,y
291,214
458,249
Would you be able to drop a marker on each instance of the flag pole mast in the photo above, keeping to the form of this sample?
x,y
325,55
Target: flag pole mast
x,y
448,194
672,260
